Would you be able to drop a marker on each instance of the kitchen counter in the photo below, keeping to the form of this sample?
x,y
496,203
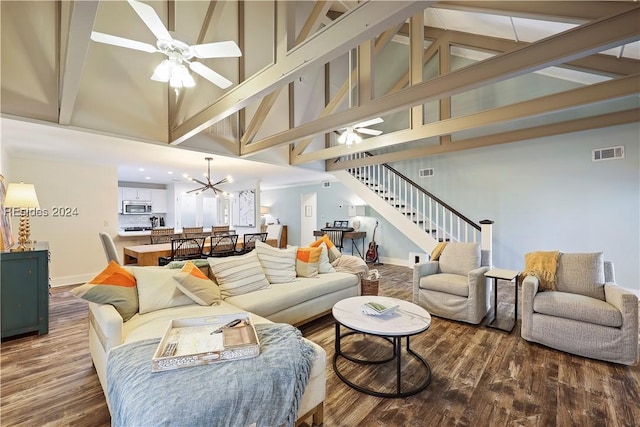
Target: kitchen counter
x,y
123,233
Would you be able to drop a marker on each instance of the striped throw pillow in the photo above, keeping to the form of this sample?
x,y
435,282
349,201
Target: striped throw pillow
x,y
237,275
279,265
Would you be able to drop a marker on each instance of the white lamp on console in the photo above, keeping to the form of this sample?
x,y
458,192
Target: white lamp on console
x,y
23,197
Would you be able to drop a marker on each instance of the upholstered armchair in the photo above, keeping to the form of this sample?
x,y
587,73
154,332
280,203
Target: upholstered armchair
x,y
454,286
587,314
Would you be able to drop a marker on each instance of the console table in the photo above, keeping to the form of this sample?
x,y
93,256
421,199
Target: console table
x,y
24,294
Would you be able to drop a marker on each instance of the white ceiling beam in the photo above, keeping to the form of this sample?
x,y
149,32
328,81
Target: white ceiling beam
x,y
367,20
83,14
572,44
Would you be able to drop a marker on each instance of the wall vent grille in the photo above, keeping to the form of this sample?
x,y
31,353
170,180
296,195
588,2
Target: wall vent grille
x,y
326,184
609,153
425,173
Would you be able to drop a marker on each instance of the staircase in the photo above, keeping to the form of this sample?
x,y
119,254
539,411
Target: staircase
x,y
419,215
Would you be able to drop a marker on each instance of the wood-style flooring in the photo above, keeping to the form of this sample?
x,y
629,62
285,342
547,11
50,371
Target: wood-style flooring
x,y
481,376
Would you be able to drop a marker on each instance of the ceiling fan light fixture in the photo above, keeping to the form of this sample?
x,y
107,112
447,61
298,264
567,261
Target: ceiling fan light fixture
x,y
162,73
349,137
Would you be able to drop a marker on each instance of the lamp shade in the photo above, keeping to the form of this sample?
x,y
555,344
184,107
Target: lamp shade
x,y
264,210
21,196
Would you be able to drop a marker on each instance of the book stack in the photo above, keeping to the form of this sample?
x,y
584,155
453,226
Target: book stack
x,y
377,309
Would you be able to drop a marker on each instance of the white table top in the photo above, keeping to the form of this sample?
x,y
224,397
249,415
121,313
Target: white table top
x,y
501,273
408,319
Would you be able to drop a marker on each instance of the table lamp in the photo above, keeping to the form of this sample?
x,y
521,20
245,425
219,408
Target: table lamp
x,y
264,210
22,196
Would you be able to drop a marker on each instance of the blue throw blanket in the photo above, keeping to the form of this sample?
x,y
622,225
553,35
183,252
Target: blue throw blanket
x,y
265,390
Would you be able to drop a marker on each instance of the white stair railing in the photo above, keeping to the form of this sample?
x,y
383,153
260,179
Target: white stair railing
x,y
431,214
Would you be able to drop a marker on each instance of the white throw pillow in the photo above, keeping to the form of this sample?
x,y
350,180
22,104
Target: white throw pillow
x,y
325,266
158,289
279,265
237,275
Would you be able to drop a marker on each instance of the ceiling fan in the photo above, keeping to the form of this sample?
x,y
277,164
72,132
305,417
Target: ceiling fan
x,y
350,133
209,185
179,53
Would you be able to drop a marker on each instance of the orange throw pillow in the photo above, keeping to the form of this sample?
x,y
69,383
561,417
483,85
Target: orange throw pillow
x,y
307,261
193,270
332,251
114,274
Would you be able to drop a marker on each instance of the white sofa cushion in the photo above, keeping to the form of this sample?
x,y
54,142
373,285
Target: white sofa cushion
x,y
237,275
158,289
279,265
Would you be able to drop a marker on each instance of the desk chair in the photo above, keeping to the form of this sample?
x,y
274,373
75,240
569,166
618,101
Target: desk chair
x,y
183,249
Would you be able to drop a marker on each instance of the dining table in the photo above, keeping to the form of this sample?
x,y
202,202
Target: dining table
x,y
148,255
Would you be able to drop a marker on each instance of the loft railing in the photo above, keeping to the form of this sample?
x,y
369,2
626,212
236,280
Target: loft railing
x,y
428,212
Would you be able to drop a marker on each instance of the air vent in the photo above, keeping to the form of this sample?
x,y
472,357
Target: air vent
x,y
425,173
608,153
326,184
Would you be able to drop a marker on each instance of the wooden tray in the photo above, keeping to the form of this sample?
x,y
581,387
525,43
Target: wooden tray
x,y
203,340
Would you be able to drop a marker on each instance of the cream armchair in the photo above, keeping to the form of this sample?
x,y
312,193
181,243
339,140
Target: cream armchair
x,y
455,287
588,314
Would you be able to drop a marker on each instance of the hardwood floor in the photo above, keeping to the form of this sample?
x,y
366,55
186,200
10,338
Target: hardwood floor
x,y
481,376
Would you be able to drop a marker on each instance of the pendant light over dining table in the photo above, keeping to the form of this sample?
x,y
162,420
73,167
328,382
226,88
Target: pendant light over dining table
x,y
209,185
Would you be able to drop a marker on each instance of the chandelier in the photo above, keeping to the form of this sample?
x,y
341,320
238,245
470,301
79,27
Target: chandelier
x,y
209,185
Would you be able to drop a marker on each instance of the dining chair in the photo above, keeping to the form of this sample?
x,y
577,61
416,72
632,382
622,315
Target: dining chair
x,y
223,245
249,241
161,235
109,248
192,232
184,248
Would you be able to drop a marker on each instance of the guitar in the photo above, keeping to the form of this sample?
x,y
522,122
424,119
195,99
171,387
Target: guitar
x,y
372,252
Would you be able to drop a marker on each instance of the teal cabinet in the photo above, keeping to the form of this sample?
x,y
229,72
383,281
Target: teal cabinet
x,y
24,291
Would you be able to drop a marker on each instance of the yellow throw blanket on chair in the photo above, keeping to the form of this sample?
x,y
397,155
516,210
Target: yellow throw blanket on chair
x,y
435,253
542,265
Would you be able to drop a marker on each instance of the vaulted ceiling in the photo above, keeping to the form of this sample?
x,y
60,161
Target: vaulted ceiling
x,y
444,76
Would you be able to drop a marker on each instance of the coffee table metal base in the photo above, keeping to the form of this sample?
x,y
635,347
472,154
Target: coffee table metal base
x,y
396,341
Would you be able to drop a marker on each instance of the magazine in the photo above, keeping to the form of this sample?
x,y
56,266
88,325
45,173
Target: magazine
x,y
376,309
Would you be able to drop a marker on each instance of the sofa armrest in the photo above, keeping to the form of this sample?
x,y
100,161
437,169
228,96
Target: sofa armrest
x,y
529,290
624,300
107,323
422,269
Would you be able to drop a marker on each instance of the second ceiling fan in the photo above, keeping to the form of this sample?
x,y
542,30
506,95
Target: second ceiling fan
x,y
173,69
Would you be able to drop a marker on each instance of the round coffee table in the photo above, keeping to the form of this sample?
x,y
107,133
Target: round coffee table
x,y
407,320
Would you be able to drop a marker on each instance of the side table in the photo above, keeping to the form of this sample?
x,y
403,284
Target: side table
x,y
509,275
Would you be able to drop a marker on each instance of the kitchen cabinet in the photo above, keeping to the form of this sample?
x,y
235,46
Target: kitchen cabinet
x,y
130,193
24,294
158,201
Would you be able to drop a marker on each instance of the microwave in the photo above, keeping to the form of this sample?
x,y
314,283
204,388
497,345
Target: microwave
x,y
136,207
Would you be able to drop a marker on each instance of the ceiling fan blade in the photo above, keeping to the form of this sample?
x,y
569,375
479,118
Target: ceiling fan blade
x,y
369,131
209,74
217,50
369,122
122,42
151,19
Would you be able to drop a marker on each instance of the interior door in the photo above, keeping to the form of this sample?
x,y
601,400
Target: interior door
x,y
308,217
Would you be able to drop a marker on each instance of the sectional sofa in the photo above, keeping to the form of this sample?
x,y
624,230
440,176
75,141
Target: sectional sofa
x,y
162,296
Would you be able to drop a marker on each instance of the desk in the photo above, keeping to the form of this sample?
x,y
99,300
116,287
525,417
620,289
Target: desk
x,y
351,235
509,275
147,255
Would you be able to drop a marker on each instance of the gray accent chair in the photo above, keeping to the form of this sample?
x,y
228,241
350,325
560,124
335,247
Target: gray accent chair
x,y
454,287
588,314
109,248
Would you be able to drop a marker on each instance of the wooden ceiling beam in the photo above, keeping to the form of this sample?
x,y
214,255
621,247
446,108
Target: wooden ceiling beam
x,y
573,98
569,45
365,21
577,125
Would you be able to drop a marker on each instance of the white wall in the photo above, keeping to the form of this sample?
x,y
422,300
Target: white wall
x,y
76,251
